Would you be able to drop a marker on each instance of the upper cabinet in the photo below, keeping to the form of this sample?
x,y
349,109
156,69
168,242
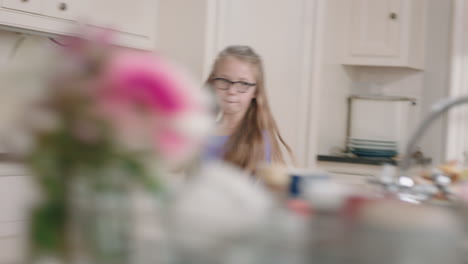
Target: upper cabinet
x,y
134,21
385,33
32,6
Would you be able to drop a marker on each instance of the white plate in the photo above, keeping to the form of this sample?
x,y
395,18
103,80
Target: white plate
x,y
372,147
372,144
360,140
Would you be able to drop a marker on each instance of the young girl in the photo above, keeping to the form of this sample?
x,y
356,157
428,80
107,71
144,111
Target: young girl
x,y
246,134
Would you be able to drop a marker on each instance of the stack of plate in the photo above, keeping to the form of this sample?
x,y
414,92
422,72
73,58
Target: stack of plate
x,y
372,148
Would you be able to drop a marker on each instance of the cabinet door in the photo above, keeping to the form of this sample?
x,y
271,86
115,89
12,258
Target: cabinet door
x,y
135,19
13,249
375,27
17,194
31,6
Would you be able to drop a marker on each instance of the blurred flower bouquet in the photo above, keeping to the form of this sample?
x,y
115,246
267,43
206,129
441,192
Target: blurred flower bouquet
x,y
111,119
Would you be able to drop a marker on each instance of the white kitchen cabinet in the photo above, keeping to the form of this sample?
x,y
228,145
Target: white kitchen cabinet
x,y
12,250
64,9
17,195
32,6
133,22
385,33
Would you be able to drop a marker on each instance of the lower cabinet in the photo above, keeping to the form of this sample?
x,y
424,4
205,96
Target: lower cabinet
x,y
17,193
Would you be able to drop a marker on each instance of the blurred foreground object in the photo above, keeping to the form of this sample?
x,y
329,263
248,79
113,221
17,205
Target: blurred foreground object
x,y
399,232
274,176
217,217
110,123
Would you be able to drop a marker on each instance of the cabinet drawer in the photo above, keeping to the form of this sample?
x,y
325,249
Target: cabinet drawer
x,y
31,6
12,169
17,194
12,250
64,9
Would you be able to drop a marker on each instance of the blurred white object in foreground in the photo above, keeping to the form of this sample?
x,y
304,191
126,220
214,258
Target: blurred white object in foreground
x,y
218,210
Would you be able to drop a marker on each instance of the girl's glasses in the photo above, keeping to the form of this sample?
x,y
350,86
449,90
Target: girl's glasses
x,y
224,84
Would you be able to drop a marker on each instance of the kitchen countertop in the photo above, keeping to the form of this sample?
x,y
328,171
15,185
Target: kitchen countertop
x,y
357,160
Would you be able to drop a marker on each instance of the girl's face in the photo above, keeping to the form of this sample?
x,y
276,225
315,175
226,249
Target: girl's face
x,y
235,97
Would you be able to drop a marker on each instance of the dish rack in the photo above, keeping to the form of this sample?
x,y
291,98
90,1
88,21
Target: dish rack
x,y
378,126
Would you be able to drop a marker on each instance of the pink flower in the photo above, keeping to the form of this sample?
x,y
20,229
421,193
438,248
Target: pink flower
x,y
172,142
139,92
146,81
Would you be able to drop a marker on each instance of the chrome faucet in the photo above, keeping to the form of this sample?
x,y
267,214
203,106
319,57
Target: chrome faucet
x,y
437,110
402,182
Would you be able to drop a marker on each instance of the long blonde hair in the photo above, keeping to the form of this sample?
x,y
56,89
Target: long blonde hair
x,y
246,146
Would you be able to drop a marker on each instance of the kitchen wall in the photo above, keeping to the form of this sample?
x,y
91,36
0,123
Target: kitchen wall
x,y
286,48
15,45
21,58
7,47
437,73
335,82
7,41
426,86
457,131
183,37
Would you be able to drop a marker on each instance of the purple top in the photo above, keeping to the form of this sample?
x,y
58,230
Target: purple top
x,y
215,148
